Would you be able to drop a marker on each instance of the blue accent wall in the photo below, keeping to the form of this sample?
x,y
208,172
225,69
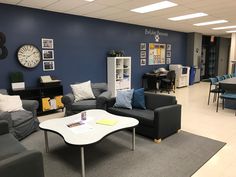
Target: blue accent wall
x,y
80,45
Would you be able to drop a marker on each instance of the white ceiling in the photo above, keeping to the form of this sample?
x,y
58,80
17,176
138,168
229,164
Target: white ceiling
x,y
119,10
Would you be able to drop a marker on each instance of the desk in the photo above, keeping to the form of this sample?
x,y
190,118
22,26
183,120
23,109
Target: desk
x,y
150,80
228,84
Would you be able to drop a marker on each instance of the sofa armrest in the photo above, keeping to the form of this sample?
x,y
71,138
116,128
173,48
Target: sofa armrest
x,y
68,99
6,116
153,100
31,105
25,164
3,127
167,120
111,102
102,99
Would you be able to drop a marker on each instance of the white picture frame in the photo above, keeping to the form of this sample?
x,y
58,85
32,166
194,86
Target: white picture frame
x,y
143,46
168,60
47,43
143,61
48,66
168,46
48,54
168,54
142,54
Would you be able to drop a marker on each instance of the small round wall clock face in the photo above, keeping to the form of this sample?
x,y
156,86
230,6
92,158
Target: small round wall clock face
x,y
29,56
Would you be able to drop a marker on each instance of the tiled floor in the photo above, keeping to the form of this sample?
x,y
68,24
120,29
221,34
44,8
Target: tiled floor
x,y
201,119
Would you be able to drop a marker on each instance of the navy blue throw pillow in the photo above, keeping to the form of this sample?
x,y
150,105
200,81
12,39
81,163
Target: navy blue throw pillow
x,y
138,100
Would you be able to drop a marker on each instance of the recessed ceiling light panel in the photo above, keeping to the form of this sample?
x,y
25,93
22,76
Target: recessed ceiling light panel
x,y
189,16
90,0
233,31
210,23
224,27
154,7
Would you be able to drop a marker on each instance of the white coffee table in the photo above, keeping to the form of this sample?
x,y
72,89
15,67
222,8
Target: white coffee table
x,y
88,133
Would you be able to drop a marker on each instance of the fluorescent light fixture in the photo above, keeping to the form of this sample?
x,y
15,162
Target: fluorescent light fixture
x,y
189,16
210,23
233,31
224,27
154,7
90,0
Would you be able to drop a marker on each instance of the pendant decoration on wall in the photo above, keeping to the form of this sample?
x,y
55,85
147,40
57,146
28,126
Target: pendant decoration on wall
x,y
3,49
157,38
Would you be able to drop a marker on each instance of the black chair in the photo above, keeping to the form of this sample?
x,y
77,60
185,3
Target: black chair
x,y
214,88
168,83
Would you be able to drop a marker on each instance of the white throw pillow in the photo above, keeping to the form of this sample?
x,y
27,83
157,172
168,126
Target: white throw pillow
x,y
82,91
10,103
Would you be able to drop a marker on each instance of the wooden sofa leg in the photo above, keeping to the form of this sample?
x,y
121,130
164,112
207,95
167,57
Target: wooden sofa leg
x,y
157,141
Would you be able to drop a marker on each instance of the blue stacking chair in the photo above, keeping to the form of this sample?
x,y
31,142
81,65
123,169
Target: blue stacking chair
x,y
227,94
213,89
226,76
220,78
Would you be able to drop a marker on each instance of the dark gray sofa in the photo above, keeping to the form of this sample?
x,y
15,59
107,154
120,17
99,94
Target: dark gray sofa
x,y
15,159
101,96
22,123
161,119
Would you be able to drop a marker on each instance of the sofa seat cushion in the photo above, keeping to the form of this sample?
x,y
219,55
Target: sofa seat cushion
x,y
20,117
83,105
9,146
145,117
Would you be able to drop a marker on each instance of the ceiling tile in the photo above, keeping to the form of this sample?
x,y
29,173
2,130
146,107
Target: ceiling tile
x,y
63,6
10,1
85,9
36,3
119,10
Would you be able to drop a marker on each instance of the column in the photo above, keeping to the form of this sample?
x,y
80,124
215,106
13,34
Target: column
x,y
232,55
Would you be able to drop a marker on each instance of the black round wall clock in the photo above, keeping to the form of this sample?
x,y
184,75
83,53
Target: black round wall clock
x,y
29,56
3,49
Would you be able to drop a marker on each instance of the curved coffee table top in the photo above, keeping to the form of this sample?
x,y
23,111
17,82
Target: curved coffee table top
x,y
89,132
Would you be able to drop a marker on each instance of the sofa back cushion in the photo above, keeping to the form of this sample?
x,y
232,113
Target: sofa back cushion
x,y
98,88
82,91
124,99
10,103
138,100
154,101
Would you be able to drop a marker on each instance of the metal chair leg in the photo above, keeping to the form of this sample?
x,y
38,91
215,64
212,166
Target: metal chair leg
x,y
209,97
217,102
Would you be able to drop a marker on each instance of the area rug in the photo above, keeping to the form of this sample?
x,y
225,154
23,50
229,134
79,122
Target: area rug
x,y
180,155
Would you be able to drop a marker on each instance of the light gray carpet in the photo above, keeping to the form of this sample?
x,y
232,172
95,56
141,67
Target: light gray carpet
x,y
180,155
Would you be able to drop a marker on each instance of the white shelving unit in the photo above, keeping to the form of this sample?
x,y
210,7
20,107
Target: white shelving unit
x,y
118,74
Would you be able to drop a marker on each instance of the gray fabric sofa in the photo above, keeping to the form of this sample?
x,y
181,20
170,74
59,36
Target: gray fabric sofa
x,y
161,119
22,123
15,159
101,96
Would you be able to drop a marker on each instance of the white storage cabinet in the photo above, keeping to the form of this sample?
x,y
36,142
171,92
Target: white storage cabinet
x,y
118,74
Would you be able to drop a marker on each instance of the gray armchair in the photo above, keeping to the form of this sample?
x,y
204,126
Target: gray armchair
x,y
15,160
22,123
101,96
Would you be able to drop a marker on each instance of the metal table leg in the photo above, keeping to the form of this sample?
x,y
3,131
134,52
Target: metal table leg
x,y
46,141
82,161
133,140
